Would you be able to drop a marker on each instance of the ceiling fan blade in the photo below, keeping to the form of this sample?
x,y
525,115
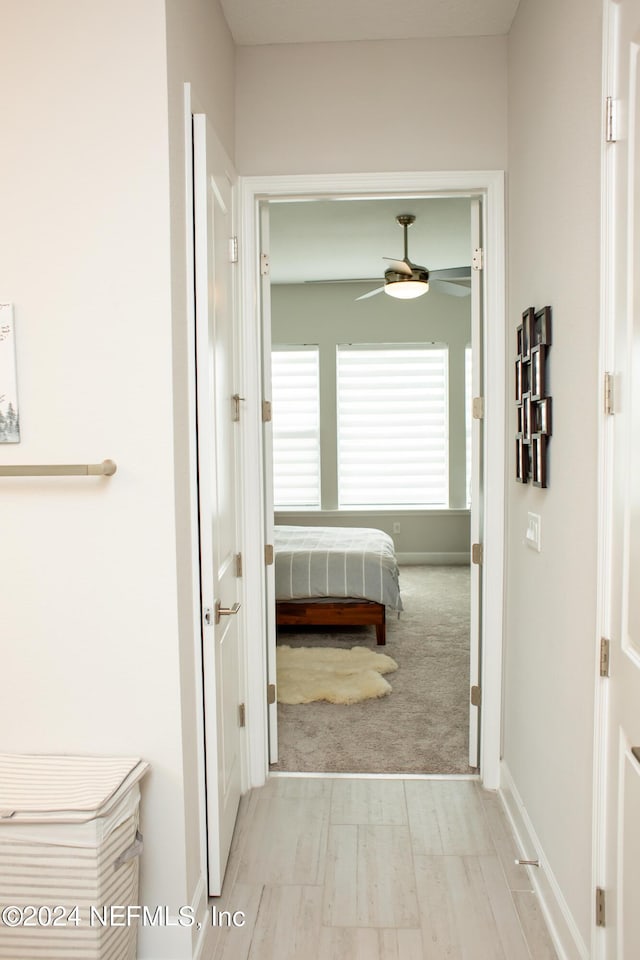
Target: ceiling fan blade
x,y
400,266
452,287
451,273
346,280
372,293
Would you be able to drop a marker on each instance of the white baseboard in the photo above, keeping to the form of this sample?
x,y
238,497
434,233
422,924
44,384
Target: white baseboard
x,y
433,559
200,907
562,927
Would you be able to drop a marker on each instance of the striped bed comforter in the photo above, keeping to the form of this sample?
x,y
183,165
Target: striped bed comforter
x,y
336,562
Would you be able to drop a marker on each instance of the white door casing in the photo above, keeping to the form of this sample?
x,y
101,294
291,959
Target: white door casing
x,y
489,185
267,427
476,484
617,824
218,482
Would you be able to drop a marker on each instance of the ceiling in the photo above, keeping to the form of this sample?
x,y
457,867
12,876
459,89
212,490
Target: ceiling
x,y
347,238
305,21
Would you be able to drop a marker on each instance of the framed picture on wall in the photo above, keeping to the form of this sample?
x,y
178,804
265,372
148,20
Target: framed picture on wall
x,y
543,417
541,327
539,460
538,356
519,380
522,461
533,406
9,416
526,418
528,318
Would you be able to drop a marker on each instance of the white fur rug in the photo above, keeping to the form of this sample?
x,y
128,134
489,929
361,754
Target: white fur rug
x,y
306,674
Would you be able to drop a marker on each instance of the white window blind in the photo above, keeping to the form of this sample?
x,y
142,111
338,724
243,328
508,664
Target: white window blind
x,y
468,407
296,426
392,425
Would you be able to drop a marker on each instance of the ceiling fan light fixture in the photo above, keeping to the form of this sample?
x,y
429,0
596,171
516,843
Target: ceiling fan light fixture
x,y
406,289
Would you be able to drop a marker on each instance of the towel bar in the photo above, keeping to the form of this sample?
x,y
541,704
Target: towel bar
x,y
105,469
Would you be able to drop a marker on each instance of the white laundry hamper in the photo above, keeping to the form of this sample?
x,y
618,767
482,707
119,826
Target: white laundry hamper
x,y
69,853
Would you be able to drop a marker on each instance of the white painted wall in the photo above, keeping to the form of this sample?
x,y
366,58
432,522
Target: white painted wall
x,y
95,622
554,194
328,314
371,106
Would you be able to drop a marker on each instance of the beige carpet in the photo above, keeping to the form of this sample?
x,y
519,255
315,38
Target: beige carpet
x,y
307,674
422,727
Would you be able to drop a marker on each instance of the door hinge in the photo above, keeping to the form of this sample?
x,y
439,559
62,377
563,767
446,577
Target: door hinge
x,y
476,696
604,657
233,249
477,554
609,394
271,693
610,120
600,907
268,554
264,265
478,408
477,260
242,715
266,411
235,407
238,564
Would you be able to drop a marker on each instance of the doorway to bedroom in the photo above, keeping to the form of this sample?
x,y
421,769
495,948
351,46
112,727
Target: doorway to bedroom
x,y
369,461
487,520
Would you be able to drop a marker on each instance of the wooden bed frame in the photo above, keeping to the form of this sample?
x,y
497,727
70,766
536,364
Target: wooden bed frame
x,y
333,613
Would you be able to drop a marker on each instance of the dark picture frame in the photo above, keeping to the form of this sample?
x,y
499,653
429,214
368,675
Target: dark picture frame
x,y
519,385
522,461
538,364
539,460
541,327
528,320
527,426
543,417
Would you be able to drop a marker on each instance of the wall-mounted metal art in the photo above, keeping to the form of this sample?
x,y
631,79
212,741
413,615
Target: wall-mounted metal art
x,y
533,406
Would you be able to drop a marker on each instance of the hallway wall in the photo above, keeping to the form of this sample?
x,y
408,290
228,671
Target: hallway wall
x,y
555,114
96,630
333,107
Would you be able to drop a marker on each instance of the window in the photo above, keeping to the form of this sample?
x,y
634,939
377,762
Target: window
x,y
296,426
468,410
392,425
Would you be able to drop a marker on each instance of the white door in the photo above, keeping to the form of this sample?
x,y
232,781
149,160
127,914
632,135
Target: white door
x,y
621,932
218,485
476,524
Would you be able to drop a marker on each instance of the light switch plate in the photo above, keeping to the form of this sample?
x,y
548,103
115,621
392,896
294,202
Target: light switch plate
x,y
532,537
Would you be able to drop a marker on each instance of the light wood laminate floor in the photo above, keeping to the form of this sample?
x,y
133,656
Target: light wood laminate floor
x,y
358,869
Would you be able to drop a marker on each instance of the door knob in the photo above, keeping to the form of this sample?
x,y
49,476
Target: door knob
x,y
225,611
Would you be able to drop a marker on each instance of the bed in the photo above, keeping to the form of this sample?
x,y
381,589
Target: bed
x,y
335,576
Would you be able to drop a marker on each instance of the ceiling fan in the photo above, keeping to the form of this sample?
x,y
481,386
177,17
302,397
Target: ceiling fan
x,y
406,280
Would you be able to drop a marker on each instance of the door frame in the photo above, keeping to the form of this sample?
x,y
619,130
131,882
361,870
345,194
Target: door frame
x,y
490,185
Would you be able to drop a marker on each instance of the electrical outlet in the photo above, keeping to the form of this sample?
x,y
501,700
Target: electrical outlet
x,y
396,527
